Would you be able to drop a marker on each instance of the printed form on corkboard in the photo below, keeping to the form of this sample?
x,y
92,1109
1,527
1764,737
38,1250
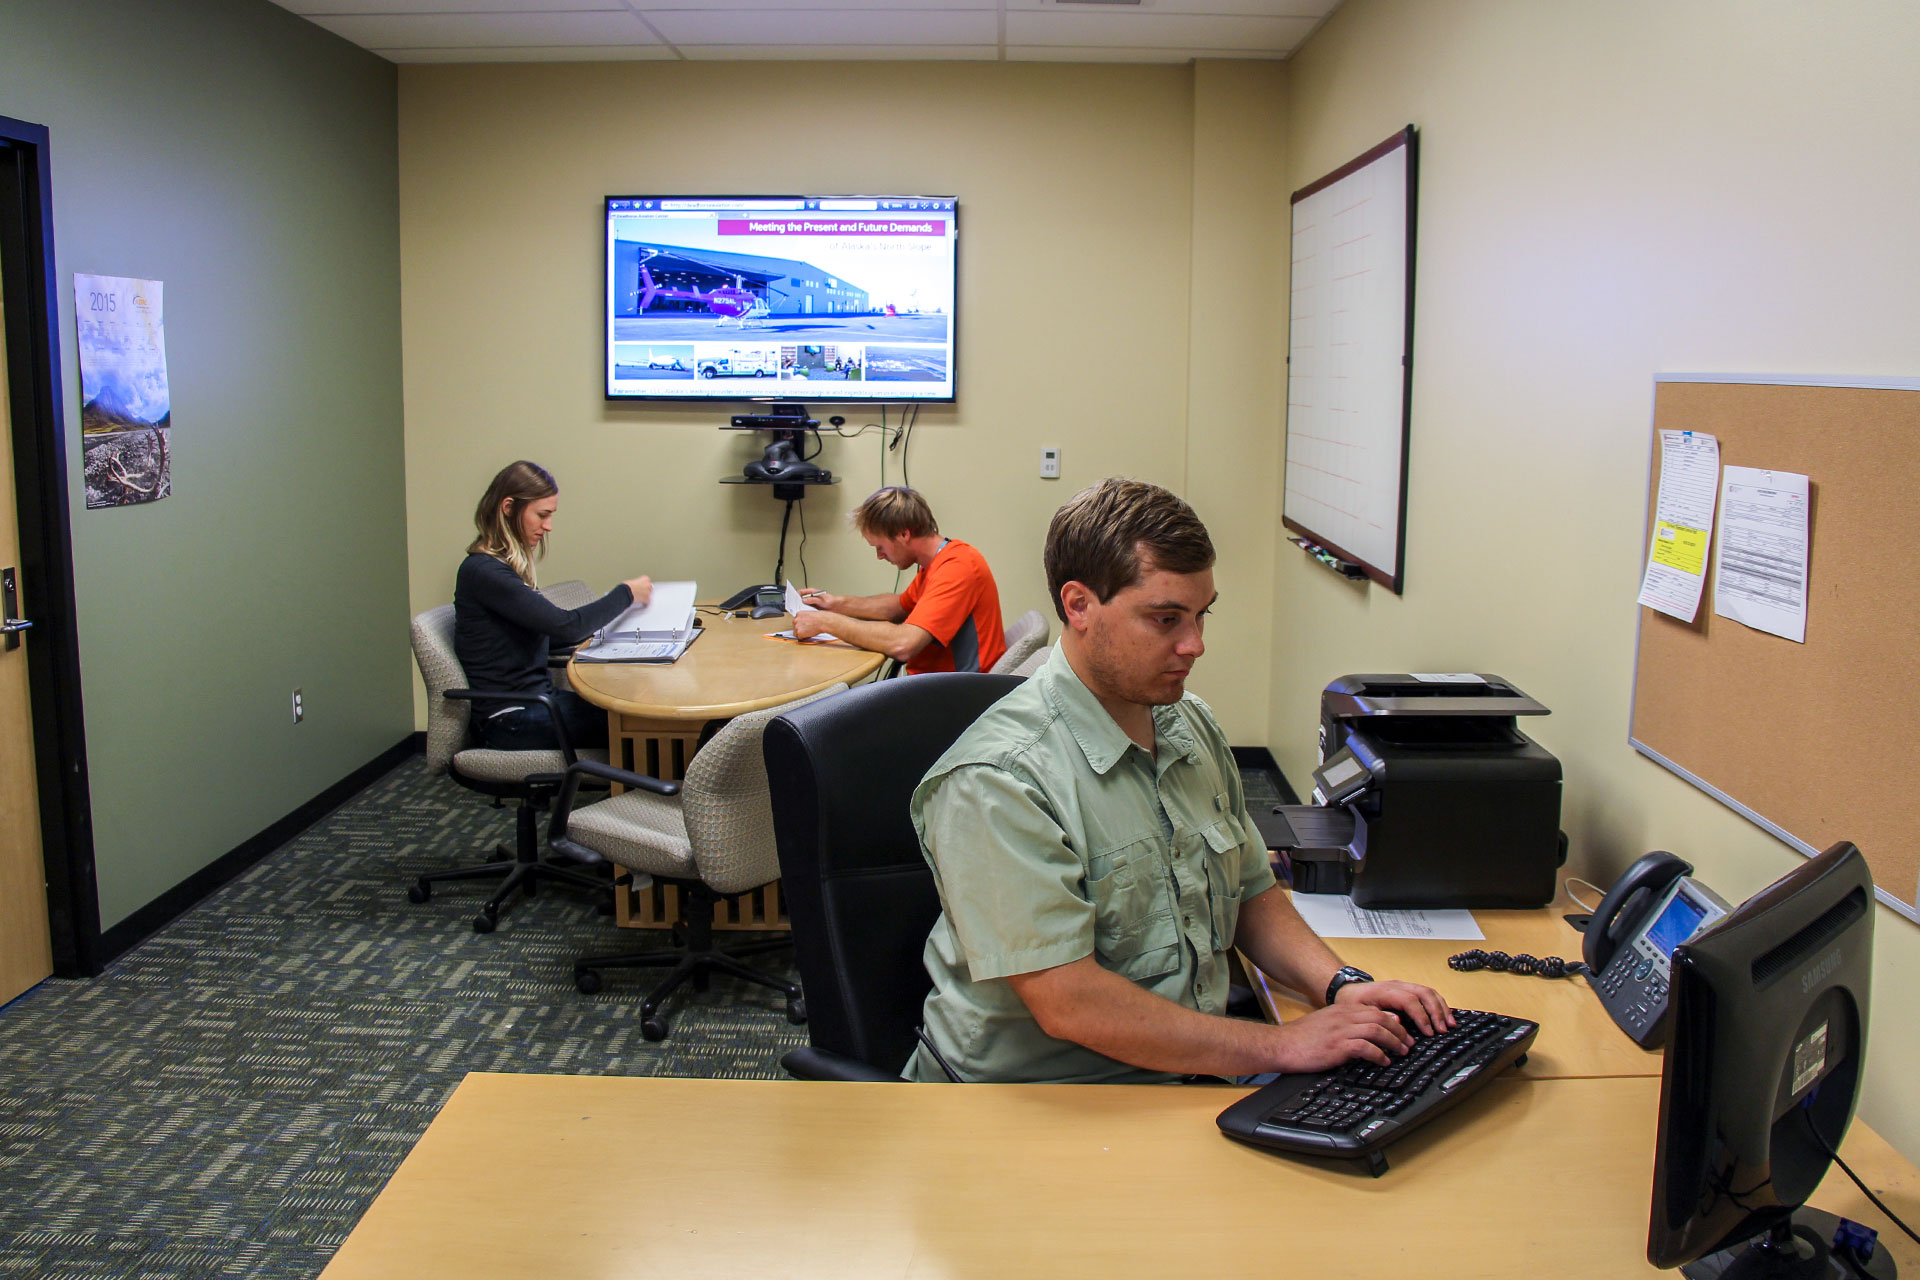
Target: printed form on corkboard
x,y
1815,739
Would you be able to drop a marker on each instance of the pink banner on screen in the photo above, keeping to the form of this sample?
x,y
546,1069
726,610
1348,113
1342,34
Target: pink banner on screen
x,y
831,227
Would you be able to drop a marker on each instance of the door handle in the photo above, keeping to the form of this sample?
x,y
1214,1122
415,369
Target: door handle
x,y
10,626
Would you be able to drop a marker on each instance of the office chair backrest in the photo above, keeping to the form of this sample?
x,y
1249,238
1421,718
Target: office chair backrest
x,y
1035,660
860,896
724,801
1026,634
446,717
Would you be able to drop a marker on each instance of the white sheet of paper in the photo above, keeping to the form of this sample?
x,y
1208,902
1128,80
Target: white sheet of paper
x,y
1760,578
1682,523
1333,915
795,605
668,610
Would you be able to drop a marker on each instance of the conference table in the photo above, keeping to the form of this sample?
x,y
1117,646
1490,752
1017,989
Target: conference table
x,y
1548,1169
657,713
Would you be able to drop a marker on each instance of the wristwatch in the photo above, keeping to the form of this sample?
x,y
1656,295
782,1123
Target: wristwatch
x,y
1342,976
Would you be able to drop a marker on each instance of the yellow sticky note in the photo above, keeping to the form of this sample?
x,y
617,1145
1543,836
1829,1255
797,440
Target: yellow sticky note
x,y
1678,547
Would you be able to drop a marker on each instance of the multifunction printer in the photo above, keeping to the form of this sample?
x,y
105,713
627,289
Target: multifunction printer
x,y
1427,795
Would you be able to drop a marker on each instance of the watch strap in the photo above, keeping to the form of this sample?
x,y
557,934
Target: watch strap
x,y
1345,974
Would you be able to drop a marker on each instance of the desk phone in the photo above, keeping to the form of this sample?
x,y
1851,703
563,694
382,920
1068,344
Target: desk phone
x,y
1655,906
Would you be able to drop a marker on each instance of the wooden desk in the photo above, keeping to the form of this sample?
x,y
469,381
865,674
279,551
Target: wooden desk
x,y
540,1176
1577,1038
655,713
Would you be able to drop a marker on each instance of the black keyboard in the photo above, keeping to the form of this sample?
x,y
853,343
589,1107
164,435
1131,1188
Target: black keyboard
x,y
1356,1109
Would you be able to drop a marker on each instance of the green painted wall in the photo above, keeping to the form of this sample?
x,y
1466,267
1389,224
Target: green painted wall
x,y
247,159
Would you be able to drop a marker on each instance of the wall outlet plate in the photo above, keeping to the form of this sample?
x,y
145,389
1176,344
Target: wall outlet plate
x,y
1049,462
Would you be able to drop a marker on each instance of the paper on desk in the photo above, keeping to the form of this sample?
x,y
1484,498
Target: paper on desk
x,y
796,606
1761,576
667,614
1333,915
1682,523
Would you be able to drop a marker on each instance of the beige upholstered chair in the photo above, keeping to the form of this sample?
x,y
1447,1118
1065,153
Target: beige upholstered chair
x,y
710,834
532,778
1024,635
1035,660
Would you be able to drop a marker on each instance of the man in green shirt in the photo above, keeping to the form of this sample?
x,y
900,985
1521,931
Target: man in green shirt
x,y
1095,861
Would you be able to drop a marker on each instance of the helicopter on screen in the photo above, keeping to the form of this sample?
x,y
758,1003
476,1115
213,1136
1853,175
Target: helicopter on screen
x,y
730,302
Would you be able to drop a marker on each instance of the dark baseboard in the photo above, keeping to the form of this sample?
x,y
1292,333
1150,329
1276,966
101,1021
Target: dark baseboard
x,y
175,902
1261,758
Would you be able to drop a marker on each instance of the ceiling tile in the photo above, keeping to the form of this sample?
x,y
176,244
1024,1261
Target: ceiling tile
x,y
1312,10
1157,31
544,53
1071,53
488,30
395,8
650,7
839,53
820,27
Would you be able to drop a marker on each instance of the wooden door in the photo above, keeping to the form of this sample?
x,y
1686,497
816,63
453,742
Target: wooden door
x,y
26,954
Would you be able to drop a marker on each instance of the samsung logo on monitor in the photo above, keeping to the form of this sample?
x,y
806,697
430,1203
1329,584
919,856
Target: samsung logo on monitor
x,y
1819,972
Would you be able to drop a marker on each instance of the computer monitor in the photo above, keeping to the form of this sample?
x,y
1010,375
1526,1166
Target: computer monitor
x,y
1762,1071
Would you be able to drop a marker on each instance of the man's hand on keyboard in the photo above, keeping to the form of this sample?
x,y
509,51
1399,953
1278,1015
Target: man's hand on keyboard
x,y
1423,1007
1344,1030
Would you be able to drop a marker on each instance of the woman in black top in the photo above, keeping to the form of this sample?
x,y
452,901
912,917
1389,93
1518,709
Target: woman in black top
x,y
502,626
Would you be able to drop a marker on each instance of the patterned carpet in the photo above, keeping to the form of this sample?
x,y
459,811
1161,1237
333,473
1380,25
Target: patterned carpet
x,y
228,1098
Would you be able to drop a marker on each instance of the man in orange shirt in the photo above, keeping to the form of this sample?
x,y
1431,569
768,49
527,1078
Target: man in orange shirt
x,y
948,618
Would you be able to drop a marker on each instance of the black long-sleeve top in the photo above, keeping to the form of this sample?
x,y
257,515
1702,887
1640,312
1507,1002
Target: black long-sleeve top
x,y
502,627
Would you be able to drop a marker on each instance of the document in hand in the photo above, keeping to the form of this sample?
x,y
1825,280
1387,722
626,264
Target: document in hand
x,y
667,616
796,606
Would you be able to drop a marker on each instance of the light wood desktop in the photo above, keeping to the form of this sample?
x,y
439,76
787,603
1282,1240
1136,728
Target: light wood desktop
x,y
540,1176
1577,1037
655,712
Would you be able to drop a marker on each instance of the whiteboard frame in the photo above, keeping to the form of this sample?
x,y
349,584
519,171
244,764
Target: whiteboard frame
x,y
1910,910
1406,142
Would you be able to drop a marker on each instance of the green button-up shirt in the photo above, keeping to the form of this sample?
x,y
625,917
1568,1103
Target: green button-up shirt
x,y
1052,836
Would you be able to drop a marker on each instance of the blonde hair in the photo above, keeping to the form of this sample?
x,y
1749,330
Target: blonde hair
x,y
894,510
497,516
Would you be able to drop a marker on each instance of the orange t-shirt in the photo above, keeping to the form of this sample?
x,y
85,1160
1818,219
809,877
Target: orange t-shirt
x,y
955,601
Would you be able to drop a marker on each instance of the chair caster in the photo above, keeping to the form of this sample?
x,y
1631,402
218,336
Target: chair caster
x,y
653,1028
418,892
797,1011
484,922
588,980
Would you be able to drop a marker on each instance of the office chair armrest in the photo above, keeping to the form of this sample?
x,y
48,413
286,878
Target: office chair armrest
x,y
582,769
524,700
810,1063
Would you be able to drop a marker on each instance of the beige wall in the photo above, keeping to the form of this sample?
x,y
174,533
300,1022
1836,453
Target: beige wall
x,y
1607,191
1081,189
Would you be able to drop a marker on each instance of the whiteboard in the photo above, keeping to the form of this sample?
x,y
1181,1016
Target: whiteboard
x,y
1350,359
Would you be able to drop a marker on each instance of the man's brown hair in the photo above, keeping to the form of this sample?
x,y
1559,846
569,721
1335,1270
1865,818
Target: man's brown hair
x,y
1100,536
894,510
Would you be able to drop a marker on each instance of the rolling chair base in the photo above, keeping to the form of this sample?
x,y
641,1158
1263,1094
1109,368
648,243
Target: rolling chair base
x,y
698,962
522,868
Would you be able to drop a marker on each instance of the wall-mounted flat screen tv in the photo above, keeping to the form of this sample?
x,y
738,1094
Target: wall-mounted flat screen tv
x,y
781,297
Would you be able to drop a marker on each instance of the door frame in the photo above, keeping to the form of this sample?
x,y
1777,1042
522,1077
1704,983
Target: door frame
x,y
32,302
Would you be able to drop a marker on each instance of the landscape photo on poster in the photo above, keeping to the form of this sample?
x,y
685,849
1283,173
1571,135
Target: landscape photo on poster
x,y
125,406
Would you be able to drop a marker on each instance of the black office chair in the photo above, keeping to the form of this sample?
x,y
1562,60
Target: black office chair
x,y
860,896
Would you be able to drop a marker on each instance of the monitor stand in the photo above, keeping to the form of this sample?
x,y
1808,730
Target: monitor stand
x,y
1796,1248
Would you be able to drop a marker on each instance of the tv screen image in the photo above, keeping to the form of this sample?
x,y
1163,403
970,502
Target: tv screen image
x,y
778,297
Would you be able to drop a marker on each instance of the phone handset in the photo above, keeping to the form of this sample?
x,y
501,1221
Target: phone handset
x,y
1629,943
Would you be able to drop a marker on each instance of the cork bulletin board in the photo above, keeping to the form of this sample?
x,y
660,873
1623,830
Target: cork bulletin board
x,y
1816,742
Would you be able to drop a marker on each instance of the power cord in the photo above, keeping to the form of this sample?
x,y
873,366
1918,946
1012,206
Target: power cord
x,y
1828,1148
1567,886
1501,962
